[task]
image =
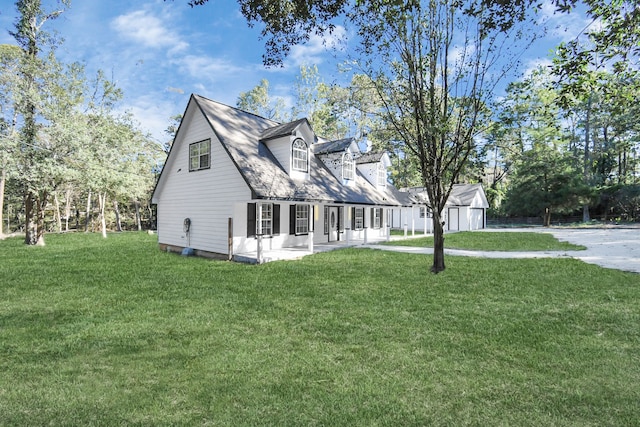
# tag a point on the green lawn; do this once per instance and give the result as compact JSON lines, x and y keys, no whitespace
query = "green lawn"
{"x":493,"y":241}
{"x":115,"y":332}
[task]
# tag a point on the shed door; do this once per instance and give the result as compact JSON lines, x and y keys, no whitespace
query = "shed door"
{"x":454,"y":219}
{"x":476,"y":222}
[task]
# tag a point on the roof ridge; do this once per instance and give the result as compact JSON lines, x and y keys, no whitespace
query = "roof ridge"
{"x":236,"y":108}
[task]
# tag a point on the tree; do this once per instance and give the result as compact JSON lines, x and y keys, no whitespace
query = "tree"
{"x":432,"y":67}
{"x":10,"y":57}
{"x":546,"y":181}
{"x":32,"y":39}
{"x":260,"y":102}
{"x":431,"y":63}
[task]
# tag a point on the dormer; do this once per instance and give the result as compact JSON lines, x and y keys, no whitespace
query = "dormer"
{"x":291,"y":144}
{"x":339,"y":157}
{"x":373,"y":166}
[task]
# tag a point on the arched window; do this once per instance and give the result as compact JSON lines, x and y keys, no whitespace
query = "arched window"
{"x":300,"y":155}
{"x":347,"y":166}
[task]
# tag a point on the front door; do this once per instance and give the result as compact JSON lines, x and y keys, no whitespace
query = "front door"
{"x":334,"y":226}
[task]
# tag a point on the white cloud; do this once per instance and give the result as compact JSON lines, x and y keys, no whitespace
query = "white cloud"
{"x":566,"y":26}
{"x":317,"y":47}
{"x":207,"y":67}
{"x":535,"y":63}
{"x":148,"y":30}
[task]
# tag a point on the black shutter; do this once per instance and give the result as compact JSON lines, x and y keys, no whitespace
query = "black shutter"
{"x":251,"y":219}
{"x":276,"y":219}
{"x":292,"y":220}
{"x":372,"y":223}
{"x":341,"y":218}
{"x":353,"y":218}
{"x":326,"y":220}
{"x":312,"y":221}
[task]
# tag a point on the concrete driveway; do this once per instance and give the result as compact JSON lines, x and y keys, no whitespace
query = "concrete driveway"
{"x":617,"y":248}
{"x":614,"y":247}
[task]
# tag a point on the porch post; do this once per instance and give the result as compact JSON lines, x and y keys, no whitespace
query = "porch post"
{"x":425,"y":220}
{"x":310,"y":241}
{"x":413,"y":221}
{"x":388,"y":224}
{"x":259,"y":234}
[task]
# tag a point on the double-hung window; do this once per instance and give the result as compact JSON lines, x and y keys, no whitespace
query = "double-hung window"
{"x":347,"y":166}
{"x":358,"y":218}
{"x":266,"y":220}
{"x":376,"y":217}
{"x":299,"y":216}
{"x":300,"y":155}
{"x":302,"y":219}
{"x":200,"y":155}
{"x":263,"y":218}
{"x":382,"y":175}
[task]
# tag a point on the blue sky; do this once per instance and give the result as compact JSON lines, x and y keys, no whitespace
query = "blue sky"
{"x":160,"y":52}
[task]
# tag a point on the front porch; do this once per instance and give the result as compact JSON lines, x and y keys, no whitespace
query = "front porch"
{"x":292,"y":253}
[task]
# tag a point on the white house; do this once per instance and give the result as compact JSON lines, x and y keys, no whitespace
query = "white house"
{"x":234,"y":181}
{"x":237,"y":186}
{"x":466,"y":209}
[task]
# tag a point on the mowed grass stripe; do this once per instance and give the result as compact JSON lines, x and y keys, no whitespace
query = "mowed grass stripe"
{"x":104,"y":332}
{"x":493,"y":241}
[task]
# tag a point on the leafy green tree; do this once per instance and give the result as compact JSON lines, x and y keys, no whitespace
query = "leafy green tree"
{"x":431,"y":63}
{"x":259,"y":101}
{"x":434,"y":99}
{"x":10,"y":57}
{"x":547,"y":181}
{"x":32,"y":39}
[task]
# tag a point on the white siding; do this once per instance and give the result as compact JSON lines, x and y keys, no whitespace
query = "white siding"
{"x":476,"y":220}
{"x":205,"y":196}
{"x":281,"y":149}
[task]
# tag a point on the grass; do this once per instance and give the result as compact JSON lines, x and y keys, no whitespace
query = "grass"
{"x":494,"y":241}
{"x":115,"y":332}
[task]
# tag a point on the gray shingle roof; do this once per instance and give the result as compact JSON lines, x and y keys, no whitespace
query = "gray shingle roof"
{"x":281,"y":130}
{"x":240,"y":134}
{"x":332,"y":146}
{"x":369,"y":157}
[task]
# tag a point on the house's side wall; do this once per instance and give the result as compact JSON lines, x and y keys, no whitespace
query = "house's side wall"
{"x":281,"y":149}
{"x":206,"y":196}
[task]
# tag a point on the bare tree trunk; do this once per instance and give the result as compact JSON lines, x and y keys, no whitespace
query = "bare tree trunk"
{"x":67,"y":208}
{"x":30,"y":230}
{"x":3,"y":178}
{"x":587,"y":134}
{"x":138,"y":220}
{"x":57,"y":213}
{"x":547,"y":217}
{"x":438,"y":243}
{"x":40,"y":218}
{"x":116,"y":209}
{"x":88,"y":214}
{"x":102,"y":200}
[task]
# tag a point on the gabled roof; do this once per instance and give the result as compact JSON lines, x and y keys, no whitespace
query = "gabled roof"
{"x":461,"y":195}
{"x":241,"y":133}
{"x":283,"y":129}
{"x":468,"y":195}
{"x":328,"y":147}
{"x":369,"y":157}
